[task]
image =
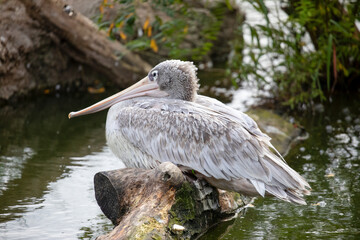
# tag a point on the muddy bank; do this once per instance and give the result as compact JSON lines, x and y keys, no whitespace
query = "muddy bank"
{"x":47,"y":47}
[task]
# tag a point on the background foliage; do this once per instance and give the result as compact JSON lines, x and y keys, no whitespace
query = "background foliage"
{"x":298,"y":74}
{"x":169,"y":27}
{"x":302,"y":75}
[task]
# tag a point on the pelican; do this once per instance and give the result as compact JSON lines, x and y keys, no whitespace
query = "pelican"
{"x":162,"y":118}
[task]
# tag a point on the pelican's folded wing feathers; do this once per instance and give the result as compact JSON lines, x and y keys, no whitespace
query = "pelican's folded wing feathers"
{"x":213,"y":144}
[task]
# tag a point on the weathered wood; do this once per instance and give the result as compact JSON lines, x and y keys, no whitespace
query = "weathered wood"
{"x":118,"y":191}
{"x":158,"y":203}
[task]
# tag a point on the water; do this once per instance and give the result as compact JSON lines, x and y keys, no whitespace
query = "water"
{"x":47,"y":164}
{"x":330,"y":161}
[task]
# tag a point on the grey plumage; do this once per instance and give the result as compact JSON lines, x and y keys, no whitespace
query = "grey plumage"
{"x":198,"y":137}
{"x":161,"y":118}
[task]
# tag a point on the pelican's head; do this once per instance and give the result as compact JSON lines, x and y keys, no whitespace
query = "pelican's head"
{"x":172,"y":78}
{"x":177,"y":78}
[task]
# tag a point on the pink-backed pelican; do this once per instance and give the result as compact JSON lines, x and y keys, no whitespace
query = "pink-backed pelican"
{"x":162,"y":118}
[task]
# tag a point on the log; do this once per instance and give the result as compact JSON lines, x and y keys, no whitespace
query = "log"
{"x":57,"y":46}
{"x":85,"y":43}
{"x":161,"y":203}
{"x":118,"y":191}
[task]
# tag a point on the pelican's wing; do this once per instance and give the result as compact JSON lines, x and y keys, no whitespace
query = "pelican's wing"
{"x":194,"y":136}
{"x":247,"y":122}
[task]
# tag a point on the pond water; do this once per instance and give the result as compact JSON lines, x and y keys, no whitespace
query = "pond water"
{"x":330,"y":160}
{"x":47,"y":164}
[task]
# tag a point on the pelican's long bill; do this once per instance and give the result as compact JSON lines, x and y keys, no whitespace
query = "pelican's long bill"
{"x":144,"y":87}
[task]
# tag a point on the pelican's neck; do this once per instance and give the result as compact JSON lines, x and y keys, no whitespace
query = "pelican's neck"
{"x":186,"y":89}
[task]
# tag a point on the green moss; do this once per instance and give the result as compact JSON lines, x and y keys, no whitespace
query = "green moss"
{"x":237,"y":198}
{"x":184,"y":208}
{"x":156,"y":237}
{"x":150,"y":229}
{"x":182,"y":212}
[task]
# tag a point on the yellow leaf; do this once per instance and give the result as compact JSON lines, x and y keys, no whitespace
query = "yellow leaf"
{"x":186,"y":29}
{"x":123,"y":36}
{"x":110,"y":28}
{"x":146,"y":24}
{"x":93,"y":90}
{"x":101,"y":9}
{"x":129,"y":15}
{"x":342,"y":68}
{"x":149,"y":32}
{"x":153,"y":45}
{"x":121,"y":24}
{"x":105,"y":1}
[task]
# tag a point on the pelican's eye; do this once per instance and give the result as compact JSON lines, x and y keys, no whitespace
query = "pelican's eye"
{"x":153,"y":75}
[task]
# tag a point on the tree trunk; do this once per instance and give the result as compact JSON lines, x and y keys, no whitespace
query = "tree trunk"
{"x":161,"y":204}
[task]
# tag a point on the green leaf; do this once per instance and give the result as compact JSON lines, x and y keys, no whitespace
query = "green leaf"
{"x":328,"y":60}
{"x":265,"y":11}
{"x":138,"y":44}
{"x":339,"y":27}
{"x":228,"y":5}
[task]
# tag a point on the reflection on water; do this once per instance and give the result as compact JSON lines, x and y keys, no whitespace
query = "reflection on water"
{"x":47,"y":164}
{"x":329,"y":160}
{"x":67,"y":209}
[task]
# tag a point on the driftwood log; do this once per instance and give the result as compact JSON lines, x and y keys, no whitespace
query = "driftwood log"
{"x":41,"y":38}
{"x":161,"y":203}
